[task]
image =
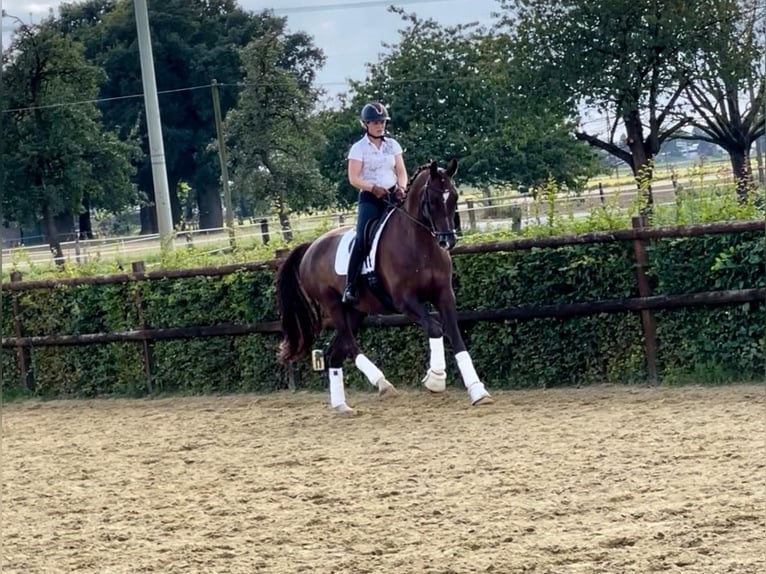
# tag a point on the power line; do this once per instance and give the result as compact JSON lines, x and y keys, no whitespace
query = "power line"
{"x":99,"y":100}
{"x":351,"y":5}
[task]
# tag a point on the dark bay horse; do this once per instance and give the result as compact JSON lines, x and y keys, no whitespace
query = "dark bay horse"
{"x":414,"y":267}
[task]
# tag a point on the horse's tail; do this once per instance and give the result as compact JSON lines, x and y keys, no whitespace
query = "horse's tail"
{"x":301,"y":319}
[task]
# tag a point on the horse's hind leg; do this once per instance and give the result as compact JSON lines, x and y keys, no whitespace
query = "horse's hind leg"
{"x":335,"y":359}
{"x":344,"y":346}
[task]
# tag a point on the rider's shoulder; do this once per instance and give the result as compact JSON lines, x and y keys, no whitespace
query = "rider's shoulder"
{"x":393,"y":145}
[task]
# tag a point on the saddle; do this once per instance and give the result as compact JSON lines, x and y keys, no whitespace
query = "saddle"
{"x":368,"y":274}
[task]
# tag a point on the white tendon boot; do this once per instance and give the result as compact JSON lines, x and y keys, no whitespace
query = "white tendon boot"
{"x":476,"y":390}
{"x":436,"y":377}
{"x":374,"y":376}
{"x":338,"y":393}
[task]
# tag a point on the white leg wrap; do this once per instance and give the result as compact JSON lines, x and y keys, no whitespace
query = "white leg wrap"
{"x":373,"y":373}
{"x":337,"y":391}
{"x":476,"y":389}
{"x":465,"y":364}
{"x":477,"y":392}
{"x":437,"y":363}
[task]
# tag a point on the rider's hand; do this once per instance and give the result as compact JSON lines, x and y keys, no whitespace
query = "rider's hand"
{"x":399,"y":193}
{"x":378,"y":191}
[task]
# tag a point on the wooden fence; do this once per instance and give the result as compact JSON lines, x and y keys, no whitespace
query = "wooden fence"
{"x":639,"y":235}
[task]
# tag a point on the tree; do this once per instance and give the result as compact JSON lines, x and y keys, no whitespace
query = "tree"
{"x":274,"y":136}
{"x":60,"y":156}
{"x":449,"y":97}
{"x":628,"y":58}
{"x":194,"y":42}
{"x":726,"y":90}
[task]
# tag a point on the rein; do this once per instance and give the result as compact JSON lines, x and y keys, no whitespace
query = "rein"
{"x":423,"y":208}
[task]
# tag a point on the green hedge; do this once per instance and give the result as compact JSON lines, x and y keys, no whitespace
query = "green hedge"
{"x":701,"y":344}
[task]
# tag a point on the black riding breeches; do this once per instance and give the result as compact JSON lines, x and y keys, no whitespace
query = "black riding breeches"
{"x":369,"y":210}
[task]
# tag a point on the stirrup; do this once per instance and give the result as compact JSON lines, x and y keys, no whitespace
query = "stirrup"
{"x":350,"y":296}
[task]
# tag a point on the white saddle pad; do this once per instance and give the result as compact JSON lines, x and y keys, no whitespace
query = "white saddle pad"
{"x":343,"y":253}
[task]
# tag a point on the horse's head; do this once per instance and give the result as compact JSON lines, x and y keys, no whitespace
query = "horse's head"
{"x":432,"y":199}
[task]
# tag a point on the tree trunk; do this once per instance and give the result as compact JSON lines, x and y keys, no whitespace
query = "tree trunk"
{"x":175,"y":203}
{"x":740,"y":165}
{"x":284,"y":223}
{"x":85,"y":224}
{"x":641,"y":156}
{"x":210,"y":210}
{"x":52,"y":232}
{"x":149,"y":219}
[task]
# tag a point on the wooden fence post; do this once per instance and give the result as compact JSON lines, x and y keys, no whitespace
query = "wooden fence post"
{"x":265,"y":231}
{"x":471,"y":215}
{"x":138,"y":270}
{"x":516,"y":214}
{"x":23,"y":353}
{"x":647,"y":319}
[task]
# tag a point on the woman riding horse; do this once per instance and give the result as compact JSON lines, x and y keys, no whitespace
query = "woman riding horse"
{"x":413,"y":266}
{"x":375,"y":166}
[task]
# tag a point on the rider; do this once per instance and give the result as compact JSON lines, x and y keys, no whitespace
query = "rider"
{"x":375,"y":167}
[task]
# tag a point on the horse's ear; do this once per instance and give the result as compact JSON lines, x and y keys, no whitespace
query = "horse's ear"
{"x":452,"y":167}
{"x":434,"y":169}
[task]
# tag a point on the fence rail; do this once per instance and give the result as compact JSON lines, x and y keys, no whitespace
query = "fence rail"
{"x":645,"y":304}
{"x":565,"y":310}
{"x":479,"y":214}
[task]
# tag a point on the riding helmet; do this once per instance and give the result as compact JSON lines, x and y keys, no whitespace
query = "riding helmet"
{"x":374,"y":112}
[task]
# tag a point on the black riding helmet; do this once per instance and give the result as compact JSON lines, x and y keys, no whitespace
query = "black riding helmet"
{"x":374,"y":112}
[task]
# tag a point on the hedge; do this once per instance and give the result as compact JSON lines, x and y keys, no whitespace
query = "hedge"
{"x":720,"y":344}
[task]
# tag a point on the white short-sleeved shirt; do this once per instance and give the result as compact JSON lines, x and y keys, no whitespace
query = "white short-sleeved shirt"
{"x":377,"y":163}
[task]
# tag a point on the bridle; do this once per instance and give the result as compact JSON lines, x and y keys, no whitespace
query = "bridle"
{"x":425,"y":210}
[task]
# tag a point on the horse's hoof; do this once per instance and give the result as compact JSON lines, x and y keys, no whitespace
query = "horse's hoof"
{"x":479,"y":395}
{"x":485,"y":400}
{"x":435,"y":381}
{"x":344,"y":409}
{"x":386,"y":389}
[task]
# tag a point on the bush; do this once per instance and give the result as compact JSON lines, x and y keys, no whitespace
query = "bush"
{"x":714,"y":345}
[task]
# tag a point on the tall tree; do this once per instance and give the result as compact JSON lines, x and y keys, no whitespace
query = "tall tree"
{"x":726,"y":88}
{"x":625,"y":58}
{"x":274,"y":134}
{"x":59,"y":156}
{"x":194,"y":42}
{"x":449,"y":97}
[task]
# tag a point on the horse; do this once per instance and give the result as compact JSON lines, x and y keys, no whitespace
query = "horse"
{"x":412,"y":265}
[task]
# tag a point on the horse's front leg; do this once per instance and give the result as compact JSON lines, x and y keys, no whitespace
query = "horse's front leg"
{"x":447,"y":308}
{"x":436,"y":376}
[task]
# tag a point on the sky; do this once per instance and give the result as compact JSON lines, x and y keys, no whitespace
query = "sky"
{"x":350,"y":32}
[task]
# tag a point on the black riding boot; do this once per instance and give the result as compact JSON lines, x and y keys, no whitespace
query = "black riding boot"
{"x":351,"y":292}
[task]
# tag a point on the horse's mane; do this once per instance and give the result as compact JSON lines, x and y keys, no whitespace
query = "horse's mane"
{"x":416,"y":174}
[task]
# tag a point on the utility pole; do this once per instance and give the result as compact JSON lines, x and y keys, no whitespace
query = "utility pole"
{"x":222,"y":159}
{"x":154,"y":127}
